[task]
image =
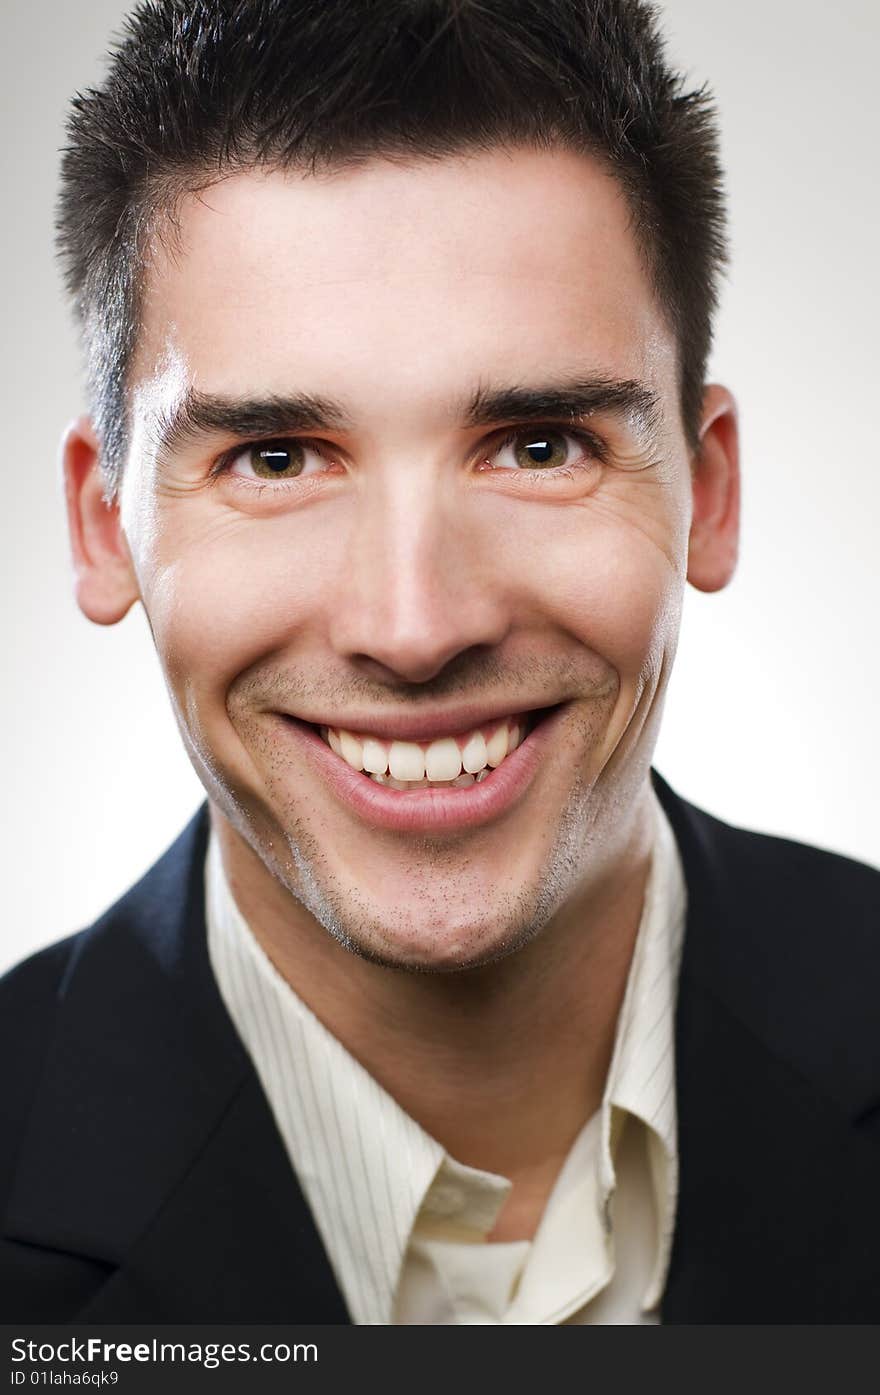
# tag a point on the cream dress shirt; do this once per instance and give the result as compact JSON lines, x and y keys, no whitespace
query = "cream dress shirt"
{"x":403,"y":1223}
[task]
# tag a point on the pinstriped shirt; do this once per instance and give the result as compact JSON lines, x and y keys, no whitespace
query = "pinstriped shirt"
{"x":404,"y":1224}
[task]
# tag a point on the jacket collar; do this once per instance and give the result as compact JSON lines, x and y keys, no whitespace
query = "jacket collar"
{"x":777,"y":1069}
{"x":779,"y":936}
{"x":150,"y":1146}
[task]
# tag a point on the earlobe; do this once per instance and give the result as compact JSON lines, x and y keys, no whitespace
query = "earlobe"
{"x":715,"y":482}
{"x":105,"y":584}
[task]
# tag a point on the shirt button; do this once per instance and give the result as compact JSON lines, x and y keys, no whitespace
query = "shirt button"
{"x":444,"y":1200}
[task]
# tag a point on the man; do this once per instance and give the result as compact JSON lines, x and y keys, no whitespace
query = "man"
{"x":445,"y":1009}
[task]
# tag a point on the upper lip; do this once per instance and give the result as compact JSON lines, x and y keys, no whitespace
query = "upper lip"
{"x":422,"y":726}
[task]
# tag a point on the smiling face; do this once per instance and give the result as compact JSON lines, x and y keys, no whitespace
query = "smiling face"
{"x":408,"y":490}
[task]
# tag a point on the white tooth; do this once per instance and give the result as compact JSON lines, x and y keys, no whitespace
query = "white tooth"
{"x":333,"y":741}
{"x":375,"y":757}
{"x":473,"y":757}
{"x":483,"y":775}
{"x":496,"y":746}
{"x":405,"y":761}
{"x":515,"y":735}
{"x":380,"y":778}
{"x":464,"y":779}
{"x":443,"y":760}
{"x":351,"y":751}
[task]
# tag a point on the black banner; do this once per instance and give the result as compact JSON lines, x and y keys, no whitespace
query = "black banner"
{"x":141,"y":1360}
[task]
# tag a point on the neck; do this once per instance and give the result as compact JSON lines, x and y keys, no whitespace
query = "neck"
{"x":502,"y":1064}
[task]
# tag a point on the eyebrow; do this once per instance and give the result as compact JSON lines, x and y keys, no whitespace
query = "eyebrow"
{"x":578,"y":398}
{"x":199,"y":415}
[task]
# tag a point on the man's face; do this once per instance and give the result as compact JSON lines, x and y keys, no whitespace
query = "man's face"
{"x":426,"y":473}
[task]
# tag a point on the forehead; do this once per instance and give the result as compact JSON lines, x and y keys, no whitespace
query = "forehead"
{"x":405,"y":282}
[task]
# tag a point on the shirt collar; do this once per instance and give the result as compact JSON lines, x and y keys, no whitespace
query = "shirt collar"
{"x":363,"y":1164}
{"x":641,"y":1077}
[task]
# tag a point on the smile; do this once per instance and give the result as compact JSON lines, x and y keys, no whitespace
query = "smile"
{"x":455,"y":781}
{"x":450,"y":762}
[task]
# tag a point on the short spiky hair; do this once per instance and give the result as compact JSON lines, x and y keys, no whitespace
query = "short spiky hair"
{"x":198,"y":89}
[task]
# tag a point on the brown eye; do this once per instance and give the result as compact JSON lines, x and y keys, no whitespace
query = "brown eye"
{"x":276,"y":459}
{"x":538,"y":450}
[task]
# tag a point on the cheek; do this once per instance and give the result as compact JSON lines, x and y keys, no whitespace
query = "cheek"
{"x":626,"y":603}
{"x":222,"y":596}
{"x":610,"y":580}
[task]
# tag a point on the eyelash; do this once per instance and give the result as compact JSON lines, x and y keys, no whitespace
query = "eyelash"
{"x":595,"y":451}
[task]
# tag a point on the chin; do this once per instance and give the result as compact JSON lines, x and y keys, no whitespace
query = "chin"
{"x":430,"y":933}
{"x":421,"y":950}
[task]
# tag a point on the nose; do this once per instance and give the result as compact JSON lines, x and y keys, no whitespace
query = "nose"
{"x":421,"y":586}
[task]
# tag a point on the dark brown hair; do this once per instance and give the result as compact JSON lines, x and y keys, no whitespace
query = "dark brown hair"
{"x":197,"y":89}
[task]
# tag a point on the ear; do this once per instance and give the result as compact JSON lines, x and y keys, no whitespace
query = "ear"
{"x":714,"y":536}
{"x":105,"y":584}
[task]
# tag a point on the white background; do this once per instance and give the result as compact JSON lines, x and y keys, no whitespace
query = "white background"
{"x":772,"y":712}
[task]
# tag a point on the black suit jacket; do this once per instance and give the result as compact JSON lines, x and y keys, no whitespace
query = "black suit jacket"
{"x":142,"y":1178}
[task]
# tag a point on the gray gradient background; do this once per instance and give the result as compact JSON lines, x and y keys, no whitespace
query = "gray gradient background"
{"x":772,"y":712}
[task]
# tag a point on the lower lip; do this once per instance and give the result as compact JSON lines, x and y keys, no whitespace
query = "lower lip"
{"x":429,"y":810}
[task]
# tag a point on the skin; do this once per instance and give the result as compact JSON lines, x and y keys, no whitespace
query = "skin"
{"x":416,"y":566}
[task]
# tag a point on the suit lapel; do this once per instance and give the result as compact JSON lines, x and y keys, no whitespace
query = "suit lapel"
{"x":151,"y":1147}
{"x":233,"y":1242}
{"x":777,"y":1062}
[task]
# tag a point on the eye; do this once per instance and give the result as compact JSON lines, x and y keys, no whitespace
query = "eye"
{"x":541,"y":449}
{"x":276,"y":460}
